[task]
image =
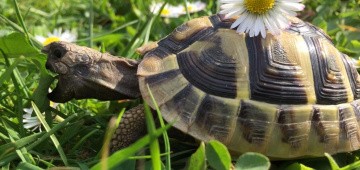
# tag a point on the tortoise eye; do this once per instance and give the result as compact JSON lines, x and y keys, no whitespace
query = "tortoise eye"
{"x":57,"y":53}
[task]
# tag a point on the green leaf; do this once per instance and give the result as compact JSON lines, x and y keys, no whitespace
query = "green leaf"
{"x":217,"y":155}
{"x":9,"y":70}
{"x":16,"y":45}
{"x":297,"y":166}
{"x":252,"y":161}
{"x":320,"y":22}
{"x":40,"y":94}
{"x":197,"y":160}
{"x":355,"y":44}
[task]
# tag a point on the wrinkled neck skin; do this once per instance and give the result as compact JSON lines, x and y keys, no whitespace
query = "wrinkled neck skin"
{"x":87,"y":73}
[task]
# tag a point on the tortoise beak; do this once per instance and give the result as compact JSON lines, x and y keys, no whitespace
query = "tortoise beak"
{"x":62,"y":92}
{"x":46,"y":50}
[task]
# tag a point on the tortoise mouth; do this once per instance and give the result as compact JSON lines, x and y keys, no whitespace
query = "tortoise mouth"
{"x":59,"y":93}
{"x":63,"y":88}
{"x":62,"y":91}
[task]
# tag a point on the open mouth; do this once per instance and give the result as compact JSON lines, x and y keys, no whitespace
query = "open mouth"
{"x":62,"y":92}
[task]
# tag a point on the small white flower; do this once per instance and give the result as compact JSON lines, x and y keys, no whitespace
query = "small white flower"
{"x":168,"y":11}
{"x":31,"y":122}
{"x":257,"y":16}
{"x":57,"y":35}
{"x":194,"y":7}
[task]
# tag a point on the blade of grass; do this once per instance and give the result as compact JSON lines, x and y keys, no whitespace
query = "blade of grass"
{"x":9,"y":147}
{"x":118,"y":120}
{"x":13,"y":156}
{"x":186,"y":9}
{"x":146,"y":156}
{"x":140,"y":32}
{"x":110,"y":32}
{"x":21,"y":83}
{"x":91,"y":23}
{"x":82,"y":140}
{"x":6,"y":75}
{"x":52,"y":131}
{"x":21,"y":20}
{"x":11,"y":136}
{"x":333,"y":164}
{"x":148,"y":30}
{"x":28,"y":166}
{"x":135,"y":39}
{"x":106,"y":144}
{"x":162,"y":124}
{"x":53,"y":137}
{"x":112,"y":126}
{"x":154,"y":145}
{"x":18,"y":100}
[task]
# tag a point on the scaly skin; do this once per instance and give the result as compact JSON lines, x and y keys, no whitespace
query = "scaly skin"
{"x":131,"y":128}
{"x":87,"y":73}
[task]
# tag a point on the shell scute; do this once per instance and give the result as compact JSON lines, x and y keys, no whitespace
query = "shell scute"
{"x":188,"y":29}
{"x":349,"y":128}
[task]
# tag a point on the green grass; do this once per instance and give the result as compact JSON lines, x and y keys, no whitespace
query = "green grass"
{"x":118,"y":27}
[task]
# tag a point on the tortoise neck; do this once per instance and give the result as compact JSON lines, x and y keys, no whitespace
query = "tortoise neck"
{"x":117,"y":76}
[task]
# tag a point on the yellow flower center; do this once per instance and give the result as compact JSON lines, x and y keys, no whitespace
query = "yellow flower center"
{"x":50,"y":40}
{"x":259,"y":6}
{"x":165,"y":12}
{"x":190,"y":8}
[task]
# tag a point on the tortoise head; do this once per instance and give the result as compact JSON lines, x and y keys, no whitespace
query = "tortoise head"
{"x":87,"y":73}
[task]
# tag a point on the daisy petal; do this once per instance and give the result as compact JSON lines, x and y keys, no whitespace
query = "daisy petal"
{"x":260,"y":17}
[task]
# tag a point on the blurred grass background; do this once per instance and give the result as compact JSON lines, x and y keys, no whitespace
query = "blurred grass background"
{"x":118,"y":27}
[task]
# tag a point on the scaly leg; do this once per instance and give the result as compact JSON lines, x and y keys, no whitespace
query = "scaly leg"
{"x":131,"y":128}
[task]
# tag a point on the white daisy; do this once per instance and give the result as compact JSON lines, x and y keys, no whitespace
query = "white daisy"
{"x":194,"y":7}
{"x":168,"y":11}
{"x":57,"y":35}
{"x":31,"y":122}
{"x":257,"y":16}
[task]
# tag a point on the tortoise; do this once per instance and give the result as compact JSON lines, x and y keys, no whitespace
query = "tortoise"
{"x":286,"y":96}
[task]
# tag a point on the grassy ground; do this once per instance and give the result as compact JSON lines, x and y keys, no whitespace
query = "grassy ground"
{"x":75,"y":137}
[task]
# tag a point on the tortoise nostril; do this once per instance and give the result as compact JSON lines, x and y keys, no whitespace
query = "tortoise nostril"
{"x":57,"y":53}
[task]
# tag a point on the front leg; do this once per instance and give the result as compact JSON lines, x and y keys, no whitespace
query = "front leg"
{"x":131,"y":128}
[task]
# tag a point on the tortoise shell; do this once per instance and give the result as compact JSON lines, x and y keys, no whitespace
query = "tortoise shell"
{"x":286,"y":96}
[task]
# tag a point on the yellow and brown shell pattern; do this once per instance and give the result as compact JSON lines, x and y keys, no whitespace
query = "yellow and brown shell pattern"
{"x":286,"y":96}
